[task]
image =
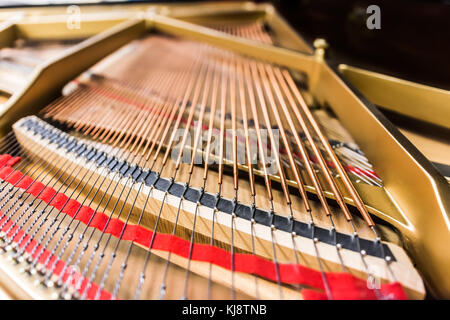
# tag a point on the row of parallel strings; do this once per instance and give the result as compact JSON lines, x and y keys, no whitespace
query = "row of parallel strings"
{"x":135,"y":109}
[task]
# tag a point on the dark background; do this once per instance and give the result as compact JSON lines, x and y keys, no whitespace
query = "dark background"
{"x":413,"y":42}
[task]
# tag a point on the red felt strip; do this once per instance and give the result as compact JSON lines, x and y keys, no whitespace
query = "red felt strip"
{"x":348,"y":287}
{"x":4,"y":158}
{"x":342,"y":285}
{"x":60,"y":265}
{"x":12,"y":161}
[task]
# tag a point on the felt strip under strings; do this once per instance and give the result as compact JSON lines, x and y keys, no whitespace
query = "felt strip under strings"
{"x":342,"y":285}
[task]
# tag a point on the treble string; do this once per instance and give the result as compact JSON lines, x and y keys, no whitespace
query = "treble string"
{"x":60,"y":169}
{"x":197,"y":138}
{"x":74,"y":171}
{"x":66,"y":230}
{"x":184,"y":102}
{"x":134,"y":156}
{"x":195,"y":97}
{"x":67,"y":281}
{"x":22,"y":248}
{"x":8,"y":240}
{"x":21,"y":166}
{"x":124,"y":264}
{"x":223,"y":95}
{"x":38,"y":251}
{"x":88,"y":265}
{"x":12,"y":192}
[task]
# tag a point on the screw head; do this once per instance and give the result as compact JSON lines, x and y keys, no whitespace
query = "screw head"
{"x":320,"y":43}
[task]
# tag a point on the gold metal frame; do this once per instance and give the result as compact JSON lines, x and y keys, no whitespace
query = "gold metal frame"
{"x":405,"y":97}
{"x":416,"y":197}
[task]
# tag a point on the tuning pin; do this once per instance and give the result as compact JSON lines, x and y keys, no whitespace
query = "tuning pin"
{"x":66,"y":296}
{"x":18,"y":259}
{"x":76,"y":296}
{"x":58,"y":283}
{"x":41,"y":270}
{"x":29,"y":259}
{"x":48,"y":283}
{"x":30,"y":271}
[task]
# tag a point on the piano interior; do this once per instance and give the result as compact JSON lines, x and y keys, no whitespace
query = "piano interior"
{"x":207,"y":151}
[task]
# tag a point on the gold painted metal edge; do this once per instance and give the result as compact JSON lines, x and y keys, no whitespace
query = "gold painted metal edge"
{"x":193,"y":12}
{"x":421,"y":194}
{"x":176,"y":9}
{"x":209,"y":9}
{"x":251,"y":48}
{"x":8,"y":33}
{"x":56,"y":27}
{"x":405,"y":97}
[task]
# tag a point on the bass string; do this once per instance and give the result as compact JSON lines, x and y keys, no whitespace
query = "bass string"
{"x":349,"y":186}
{"x":262,"y":104}
{"x":223,"y":97}
{"x":285,"y":142}
{"x":340,"y":201}
{"x":257,"y":82}
{"x":269,"y":86}
{"x":132,"y":116}
{"x":138,"y":125}
{"x":234,"y":152}
{"x":205,"y":95}
{"x":243,"y":103}
{"x":81,"y":123}
{"x":233,"y":139}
